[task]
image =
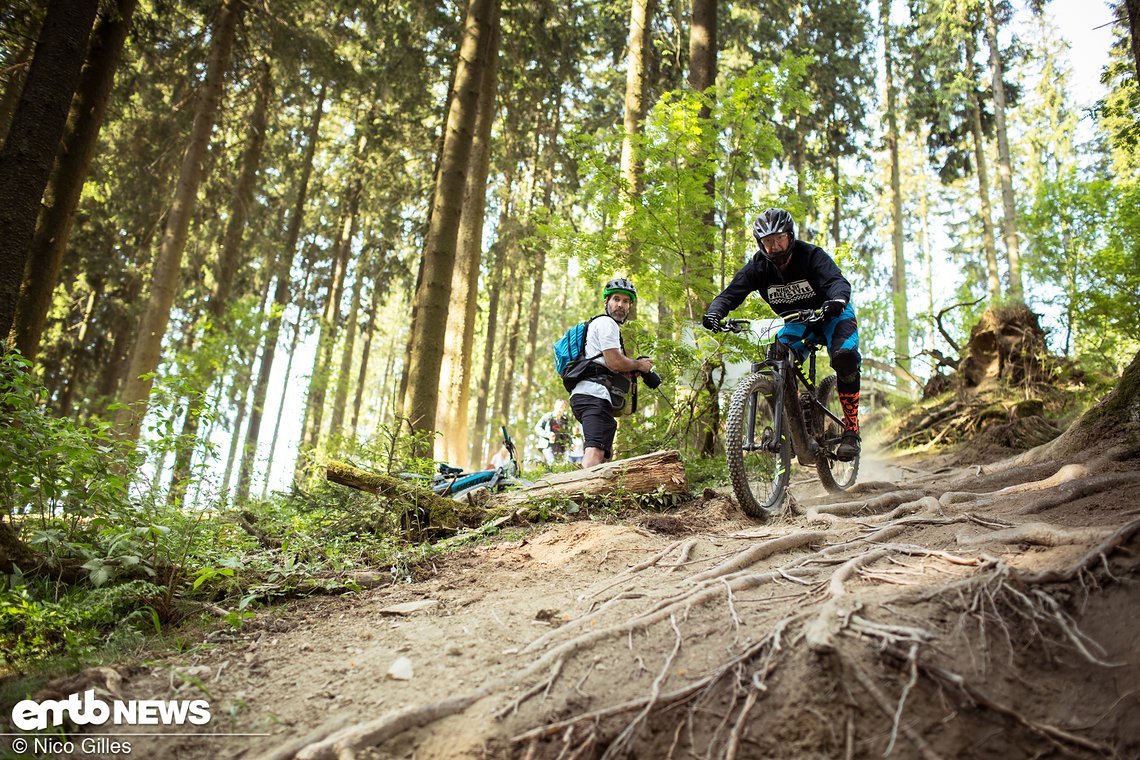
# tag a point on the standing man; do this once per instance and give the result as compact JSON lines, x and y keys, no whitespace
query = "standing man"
{"x":791,"y":275}
{"x":553,"y":432}
{"x":590,"y":398}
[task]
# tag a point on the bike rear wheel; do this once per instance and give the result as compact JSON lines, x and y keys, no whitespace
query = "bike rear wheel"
{"x":836,"y":476}
{"x":759,"y":475}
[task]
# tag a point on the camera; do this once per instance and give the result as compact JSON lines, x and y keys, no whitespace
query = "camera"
{"x":651,"y":379}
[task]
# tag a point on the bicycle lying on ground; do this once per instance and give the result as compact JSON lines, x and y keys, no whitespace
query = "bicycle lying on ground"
{"x":776,"y":401}
{"x":458,"y":484}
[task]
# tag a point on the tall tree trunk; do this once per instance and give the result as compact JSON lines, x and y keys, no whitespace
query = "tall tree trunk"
{"x":240,"y":390}
{"x":1005,"y":162}
{"x":455,"y":372}
{"x":340,"y":395}
{"x":292,"y":352}
{"x":898,"y":271}
{"x":17,"y":75}
{"x":164,"y":279}
{"x":482,"y":397}
{"x":284,"y":266}
{"x":330,"y":324}
{"x":1133,"y":9}
{"x":640,"y":22}
{"x":702,"y":76}
{"x":53,"y":227}
{"x":993,"y":282}
{"x":30,"y":146}
{"x":506,"y":384}
{"x":228,"y":262}
{"x":365,"y":351}
{"x":433,"y":296}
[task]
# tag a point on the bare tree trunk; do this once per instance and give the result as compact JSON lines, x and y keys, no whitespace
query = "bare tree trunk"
{"x":284,"y":266}
{"x":509,"y":357}
{"x":17,"y":73}
{"x":53,"y":227}
{"x":330,"y":324}
{"x":481,"y":400}
{"x":455,"y":372}
{"x":280,"y":406}
{"x":30,"y":146}
{"x":1133,"y":9}
{"x":340,"y":396}
{"x":640,"y":22}
{"x":1005,"y":162}
{"x":228,"y":261}
{"x":898,"y":271}
{"x":993,"y":282}
{"x":164,"y":279}
{"x":433,"y":296}
{"x":366,"y":349}
{"x":240,"y":390}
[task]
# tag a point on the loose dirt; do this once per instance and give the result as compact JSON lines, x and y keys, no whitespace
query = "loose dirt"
{"x":931,"y":623}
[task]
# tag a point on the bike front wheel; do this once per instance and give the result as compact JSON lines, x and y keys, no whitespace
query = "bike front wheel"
{"x":758,"y":466}
{"x":836,"y":476}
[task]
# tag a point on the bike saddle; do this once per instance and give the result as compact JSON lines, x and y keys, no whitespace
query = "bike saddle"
{"x":446,"y":469}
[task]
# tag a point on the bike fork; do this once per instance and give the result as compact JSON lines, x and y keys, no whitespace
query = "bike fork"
{"x":778,"y":418}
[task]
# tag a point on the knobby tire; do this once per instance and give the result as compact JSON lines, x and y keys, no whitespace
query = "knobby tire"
{"x":777,"y":464}
{"x":836,"y":476}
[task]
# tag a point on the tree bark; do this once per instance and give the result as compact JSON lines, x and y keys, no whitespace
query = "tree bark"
{"x":898,"y":271}
{"x":340,"y":396}
{"x":455,"y":372}
{"x":30,"y":146}
{"x":164,"y":279}
{"x":53,"y":226}
{"x":330,"y":323}
{"x":506,"y":385}
{"x":365,"y":351}
{"x":280,"y":301}
{"x":993,"y":282}
{"x":640,"y":21}
{"x":17,"y":74}
{"x":1133,"y":8}
{"x":433,"y":296}
{"x":481,"y":401}
{"x":643,"y":474}
{"x":1005,"y":162}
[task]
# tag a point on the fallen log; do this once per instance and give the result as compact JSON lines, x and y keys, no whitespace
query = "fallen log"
{"x":442,"y":512}
{"x":661,"y":470}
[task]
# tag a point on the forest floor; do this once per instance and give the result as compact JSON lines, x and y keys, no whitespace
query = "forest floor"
{"x":941,"y":609}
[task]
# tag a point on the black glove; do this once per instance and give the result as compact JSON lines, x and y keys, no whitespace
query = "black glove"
{"x":831,"y":309}
{"x":712,"y":321}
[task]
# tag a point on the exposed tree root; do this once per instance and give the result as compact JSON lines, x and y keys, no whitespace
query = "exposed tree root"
{"x":1037,"y":534}
{"x":870,"y":506}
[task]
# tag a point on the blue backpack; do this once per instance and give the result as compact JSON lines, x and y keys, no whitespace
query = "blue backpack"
{"x":569,"y":361}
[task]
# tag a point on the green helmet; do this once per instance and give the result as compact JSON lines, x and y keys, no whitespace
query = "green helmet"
{"x":620,"y":285}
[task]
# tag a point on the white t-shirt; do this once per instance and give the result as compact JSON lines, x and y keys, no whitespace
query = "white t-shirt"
{"x":602,"y":334}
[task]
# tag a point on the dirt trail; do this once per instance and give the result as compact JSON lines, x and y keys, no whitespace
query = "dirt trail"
{"x":912,"y":617}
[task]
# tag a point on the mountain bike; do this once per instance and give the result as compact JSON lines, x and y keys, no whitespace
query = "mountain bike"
{"x":456,"y":483}
{"x":779,"y":410}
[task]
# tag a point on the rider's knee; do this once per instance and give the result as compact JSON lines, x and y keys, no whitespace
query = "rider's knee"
{"x":846,"y":365}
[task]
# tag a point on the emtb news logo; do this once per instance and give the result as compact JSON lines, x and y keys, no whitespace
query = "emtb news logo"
{"x":89,"y":710}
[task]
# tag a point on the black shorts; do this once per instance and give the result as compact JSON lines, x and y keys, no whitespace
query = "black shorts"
{"x":598,"y":422}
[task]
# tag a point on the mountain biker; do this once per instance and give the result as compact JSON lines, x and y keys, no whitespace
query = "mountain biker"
{"x":792,"y":275}
{"x":590,"y":399}
{"x":553,"y":431}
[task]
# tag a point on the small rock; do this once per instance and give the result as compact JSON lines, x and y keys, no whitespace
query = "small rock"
{"x":401,"y":670}
{"x":454,"y":651}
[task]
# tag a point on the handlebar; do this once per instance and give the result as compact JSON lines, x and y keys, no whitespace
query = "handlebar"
{"x":807,"y":316}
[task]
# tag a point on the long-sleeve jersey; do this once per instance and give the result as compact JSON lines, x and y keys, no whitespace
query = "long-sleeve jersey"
{"x":811,"y":278}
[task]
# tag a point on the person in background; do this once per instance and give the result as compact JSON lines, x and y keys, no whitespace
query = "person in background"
{"x":553,"y":431}
{"x":590,"y":399}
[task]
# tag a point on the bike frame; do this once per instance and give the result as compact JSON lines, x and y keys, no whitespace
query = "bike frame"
{"x":787,"y":373}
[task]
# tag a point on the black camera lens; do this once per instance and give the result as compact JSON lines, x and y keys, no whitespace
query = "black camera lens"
{"x":651,"y":379}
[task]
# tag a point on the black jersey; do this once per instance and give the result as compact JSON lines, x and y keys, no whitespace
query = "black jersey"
{"x":811,"y":278}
